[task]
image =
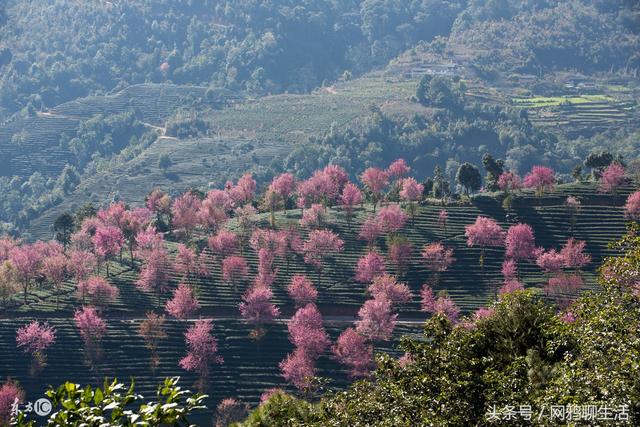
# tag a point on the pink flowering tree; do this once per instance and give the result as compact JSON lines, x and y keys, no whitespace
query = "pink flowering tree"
{"x":437,"y":258}
{"x":541,"y":178}
{"x":320,"y":245}
{"x":399,"y":254}
{"x":350,"y":198}
{"x":92,"y":328}
{"x":246,"y":220}
{"x":257,"y":309}
{"x":520,"y":243}
{"x":34,"y":339}
{"x":564,"y":288}
{"x":369,"y":267}
{"x":183,"y":304}
{"x":159,"y":203}
{"x":132,"y":223}
{"x":184,"y":213}
{"x":574,"y":255}
{"x":509,"y":269}
{"x":302,"y":291}
{"x":224,"y":244}
{"x":306,"y":331}
{"x":298,"y":368}
{"x":353,"y":351}
{"x":10,"y":392}
{"x":202,"y":350}
{"x":391,"y":219}
{"x":147,"y":241}
{"x":278,"y":193}
{"x":244,"y":190}
{"x":98,"y":291}
{"x":387,"y":287}
{"x":376,"y":320}
{"x":314,"y":217}
{"x":550,"y":262}
{"x":234,"y":270}
{"x":573,"y":206}
{"x":411,"y":192}
{"x":398,"y":169}
{"x":54,"y":270}
{"x":632,"y":207}
{"x":154,"y":276}
{"x":214,"y":209}
{"x":26,"y":260}
{"x":375,"y":180}
{"x":510,"y":286}
{"x":612,"y":178}
{"x":509,"y":182}
{"x":440,"y":305}
{"x":81,"y":264}
{"x":108,"y":242}
{"x":485,"y":232}
{"x":186,"y":262}
{"x":370,"y":231}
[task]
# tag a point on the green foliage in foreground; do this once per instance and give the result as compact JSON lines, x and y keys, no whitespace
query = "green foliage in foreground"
{"x":113,"y":405}
{"x":525,"y":353}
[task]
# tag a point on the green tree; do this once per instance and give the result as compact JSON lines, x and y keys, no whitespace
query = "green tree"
{"x":63,"y":227}
{"x":494,"y":168}
{"x":469,"y":178}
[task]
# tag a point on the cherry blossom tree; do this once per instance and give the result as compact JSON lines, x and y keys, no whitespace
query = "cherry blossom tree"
{"x":92,"y":328}
{"x":293,"y":243}
{"x":369,"y":267}
{"x":520,"y":243}
{"x":183,"y":304}
{"x":266,"y":273}
{"x":154,"y":276}
{"x":612,"y":178}
{"x":274,"y":242}
{"x":108,"y":242}
{"x":81,"y":264}
{"x":509,"y":182}
{"x":186,"y":262}
{"x":26,"y":260}
{"x":352,"y":350}
{"x":564,"y":288}
{"x":159,"y":203}
{"x":152,"y":330}
{"x":509,"y":269}
{"x":113,"y":214}
{"x":132,"y":223}
{"x":244,"y":190}
{"x":214,"y":209}
{"x":306,"y":331}
{"x":314,"y":217}
{"x":375,"y":180}
{"x":370,"y":231}
{"x":387,"y":287}
{"x":302,"y":291}
{"x":541,"y":178}
{"x":184,"y":213}
{"x":299,"y":369}
{"x":202,"y":350}
{"x":257,"y":309}
{"x":8,"y":282}
{"x":10,"y":393}
{"x":351,"y":196}
{"x":34,"y":339}
{"x":54,"y":270}
{"x":7,"y":243}
{"x":441,"y":304}
{"x":574,"y":255}
{"x":230,"y":411}
{"x":320,"y":245}
{"x":573,"y":206}
{"x":234,"y":269}
{"x":283,"y":186}
{"x":391,"y":219}
{"x":510,"y":286}
{"x":411,"y":192}
{"x":224,"y":244}
{"x":246,"y":220}
{"x":632,"y":207}
{"x":398,"y":169}
{"x":98,"y":290}
{"x":147,"y":241}
{"x":437,"y":258}
{"x":485,"y":232}
{"x":550,"y":261}
{"x":399,"y":254}
{"x":205,"y":263}
{"x":376,"y":320}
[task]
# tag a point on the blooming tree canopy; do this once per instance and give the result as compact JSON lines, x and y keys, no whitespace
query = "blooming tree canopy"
{"x":352,"y":350}
{"x":369,"y":267}
{"x":183,"y":304}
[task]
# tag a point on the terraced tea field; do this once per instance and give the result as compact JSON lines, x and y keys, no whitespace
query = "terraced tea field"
{"x":248,"y":370}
